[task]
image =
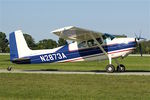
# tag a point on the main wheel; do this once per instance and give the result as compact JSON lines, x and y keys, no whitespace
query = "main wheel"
{"x":121,"y":68}
{"x":110,"y":68}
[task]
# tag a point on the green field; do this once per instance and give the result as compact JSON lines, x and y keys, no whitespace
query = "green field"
{"x":131,"y":63}
{"x":75,"y":87}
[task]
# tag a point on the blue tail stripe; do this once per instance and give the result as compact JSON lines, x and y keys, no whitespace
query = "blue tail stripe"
{"x":13,"y":46}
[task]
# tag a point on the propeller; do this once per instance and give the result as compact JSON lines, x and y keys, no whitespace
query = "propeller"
{"x":139,"y":39}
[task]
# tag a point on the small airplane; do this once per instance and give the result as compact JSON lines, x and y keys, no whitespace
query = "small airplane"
{"x":88,"y":45}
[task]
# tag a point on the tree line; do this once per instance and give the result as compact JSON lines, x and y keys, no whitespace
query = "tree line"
{"x":42,"y":44}
{"x":50,"y":43}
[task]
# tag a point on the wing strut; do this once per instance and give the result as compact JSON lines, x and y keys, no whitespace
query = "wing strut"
{"x":99,"y":45}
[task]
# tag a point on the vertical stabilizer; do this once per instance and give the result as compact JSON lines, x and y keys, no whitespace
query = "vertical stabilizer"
{"x":18,"y":45}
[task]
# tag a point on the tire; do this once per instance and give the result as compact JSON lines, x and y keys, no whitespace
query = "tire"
{"x":9,"y":68}
{"x":121,"y":68}
{"x":110,"y":68}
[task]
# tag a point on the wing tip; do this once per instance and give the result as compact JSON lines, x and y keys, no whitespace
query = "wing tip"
{"x":62,"y":29}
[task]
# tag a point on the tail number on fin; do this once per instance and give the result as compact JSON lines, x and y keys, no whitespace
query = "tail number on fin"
{"x":52,"y":57}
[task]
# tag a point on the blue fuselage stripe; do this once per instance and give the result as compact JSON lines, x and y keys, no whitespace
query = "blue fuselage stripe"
{"x":77,"y":53}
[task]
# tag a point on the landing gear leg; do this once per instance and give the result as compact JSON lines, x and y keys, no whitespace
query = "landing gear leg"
{"x":120,"y":67}
{"x":110,"y":68}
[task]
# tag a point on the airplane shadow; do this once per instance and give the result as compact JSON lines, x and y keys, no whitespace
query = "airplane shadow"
{"x":137,"y":70}
{"x":97,"y":71}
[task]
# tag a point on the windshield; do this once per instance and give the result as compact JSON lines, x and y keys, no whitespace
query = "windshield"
{"x":106,"y":35}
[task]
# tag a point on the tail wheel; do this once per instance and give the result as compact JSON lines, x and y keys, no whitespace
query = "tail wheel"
{"x":121,"y":68}
{"x":9,"y":68}
{"x":110,"y":68}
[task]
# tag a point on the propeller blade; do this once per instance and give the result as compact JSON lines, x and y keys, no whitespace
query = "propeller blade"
{"x":140,"y":49}
{"x":138,"y":40}
{"x":135,"y":35}
{"x":142,"y":38}
{"x":140,"y":35}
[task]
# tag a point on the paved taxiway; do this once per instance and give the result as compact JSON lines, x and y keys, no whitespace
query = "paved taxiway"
{"x":75,"y":72}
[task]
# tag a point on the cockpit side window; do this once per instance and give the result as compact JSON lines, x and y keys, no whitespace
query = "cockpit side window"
{"x":92,"y":43}
{"x":89,"y":43}
{"x":99,"y":40}
{"x":82,"y":44}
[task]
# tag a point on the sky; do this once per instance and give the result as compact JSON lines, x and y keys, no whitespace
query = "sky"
{"x":39,"y":17}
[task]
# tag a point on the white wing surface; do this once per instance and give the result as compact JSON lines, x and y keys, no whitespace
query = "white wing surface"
{"x":76,"y":33}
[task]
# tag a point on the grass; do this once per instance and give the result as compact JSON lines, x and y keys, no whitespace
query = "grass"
{"x":131,"y":63}
{"x":75,"y":87}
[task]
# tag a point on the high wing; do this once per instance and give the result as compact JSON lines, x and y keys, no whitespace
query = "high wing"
{"x":79,"y":34}
{"x":76,"y":33}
